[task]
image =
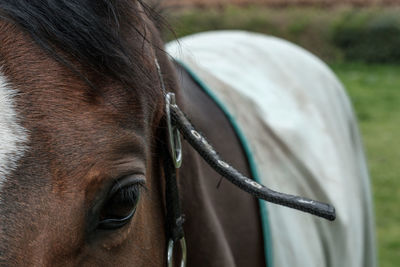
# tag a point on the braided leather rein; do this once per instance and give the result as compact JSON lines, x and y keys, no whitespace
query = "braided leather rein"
{"x":208,"y":153}
{"x":178,"y":124}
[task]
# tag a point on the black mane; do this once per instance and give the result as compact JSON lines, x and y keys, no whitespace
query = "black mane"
{"x":87,"y":30}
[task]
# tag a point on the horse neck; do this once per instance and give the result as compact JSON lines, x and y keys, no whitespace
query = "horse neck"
{"x":207,"y":203}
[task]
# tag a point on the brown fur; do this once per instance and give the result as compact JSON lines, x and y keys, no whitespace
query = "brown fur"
{"x":80,"y":142}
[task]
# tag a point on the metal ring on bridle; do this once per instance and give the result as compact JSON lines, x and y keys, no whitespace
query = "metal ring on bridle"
{"x":173,"y":132}
{"x":170,"y":255}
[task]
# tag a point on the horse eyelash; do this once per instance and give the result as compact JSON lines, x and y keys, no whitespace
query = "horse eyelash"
{"x":129,"y":194}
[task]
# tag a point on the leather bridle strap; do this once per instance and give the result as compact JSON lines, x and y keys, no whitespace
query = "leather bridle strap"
{"x":174,"y":218}
{"x":208,"y":153}
{"x":172,"y":161}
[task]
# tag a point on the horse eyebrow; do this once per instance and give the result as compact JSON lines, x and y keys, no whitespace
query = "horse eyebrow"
{"x":134,"y":144}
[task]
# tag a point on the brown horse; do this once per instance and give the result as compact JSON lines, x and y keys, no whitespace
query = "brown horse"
{"x":81,"y":139}
{"x":87,"y":121}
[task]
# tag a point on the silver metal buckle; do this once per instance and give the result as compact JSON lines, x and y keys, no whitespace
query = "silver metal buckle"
{"x":170,"y":255}
{"x":175,"y":144}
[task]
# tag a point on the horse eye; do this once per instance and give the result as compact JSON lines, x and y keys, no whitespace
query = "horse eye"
{"x":120,"y":207}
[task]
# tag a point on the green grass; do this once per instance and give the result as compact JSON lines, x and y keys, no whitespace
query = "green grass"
{"x":330,"y":33}
{"x":309,"y":26}
{"x":375,"y":92}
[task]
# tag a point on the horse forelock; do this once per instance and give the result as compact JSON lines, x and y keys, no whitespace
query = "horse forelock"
{"x":95,"y":34}
{"x":13,"y":137}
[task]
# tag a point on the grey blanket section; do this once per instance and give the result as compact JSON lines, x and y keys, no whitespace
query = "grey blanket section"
{"x":304,"y":138}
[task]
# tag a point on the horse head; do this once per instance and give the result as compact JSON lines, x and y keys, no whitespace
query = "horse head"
{"x":81,"y":106}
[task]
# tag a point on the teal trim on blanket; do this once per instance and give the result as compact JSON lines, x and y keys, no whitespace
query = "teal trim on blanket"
{"x":249,"y":155}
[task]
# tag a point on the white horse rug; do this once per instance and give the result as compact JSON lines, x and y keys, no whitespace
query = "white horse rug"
{"x":299,"y":125}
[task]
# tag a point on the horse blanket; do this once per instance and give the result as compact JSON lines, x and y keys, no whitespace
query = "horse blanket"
{"x":296,"y":122}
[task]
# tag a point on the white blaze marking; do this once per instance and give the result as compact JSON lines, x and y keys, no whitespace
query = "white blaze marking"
{"x":13,"y":136}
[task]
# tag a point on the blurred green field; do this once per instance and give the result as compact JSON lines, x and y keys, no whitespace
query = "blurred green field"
{"x":375,"y":92}
{"x":307,"y":26}
{"x":331,"y":33}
